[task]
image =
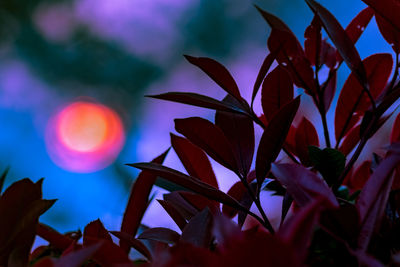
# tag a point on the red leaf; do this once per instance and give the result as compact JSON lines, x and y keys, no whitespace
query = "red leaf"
{"x":312,"y":43}
{"x":199,"y":202}
{"x":138,"y":201}
{"x":133,"y":242}
{"x":274,"y":137}
{"x":189,"y":182}
{"x":306,"y":135}
{"x":239,"y":130}
{"x":199,"y":101}
{"x":352,"y":99}
{"x":237,"y":191}
{"x":55,"y":239}
{"x":74,"y":259}
{"x":302,"y":184}
{"x":390,"y":33}
{"x":218,"y":73}
{"x":179,"y":203}
{"x":210,"y":138}
{"x":96,"y":229}
{"x":160,"y":234}
{"x":174,"y":213}
{"x":330,"y":89}
{"x":373,"y":198}
{"x":109,"y":253}
{"x":357,"y":26}
{"x":341,"y":40}
{"x":194,"y":160}
{"x":350,"y":140}
{"x":262,"y":73}
{"x":388,"y":9}
{"x":198,"y":231}
{"x":293,"y":58}
{"x":277,"y":91}
{"x":360,"y":176}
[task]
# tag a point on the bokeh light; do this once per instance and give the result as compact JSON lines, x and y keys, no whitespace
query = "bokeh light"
{"x":84,"y":137}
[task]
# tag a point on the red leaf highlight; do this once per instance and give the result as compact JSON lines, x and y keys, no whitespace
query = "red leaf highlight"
{"x":353,"y":102}
{"x":277,"y":90}
{"x":138,"y":201}
{"x":210,"y":138}
{"x":218,"y":73}
{"x":194,"y":160}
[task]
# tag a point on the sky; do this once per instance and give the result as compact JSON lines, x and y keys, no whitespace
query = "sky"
{"x":105,"y":56}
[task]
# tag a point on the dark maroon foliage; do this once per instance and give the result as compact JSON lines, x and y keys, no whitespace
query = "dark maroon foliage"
{"x":338,"y":209}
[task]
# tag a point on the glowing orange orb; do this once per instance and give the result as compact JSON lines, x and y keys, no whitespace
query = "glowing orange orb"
{"x":85,"y":137}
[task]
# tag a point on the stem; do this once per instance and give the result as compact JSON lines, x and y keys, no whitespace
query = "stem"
{"x":266,"y":223}
{"x":321,"y":106}
{"x":357,"y":153}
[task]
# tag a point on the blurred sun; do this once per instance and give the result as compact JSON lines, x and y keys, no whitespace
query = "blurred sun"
{"x":85,"y":137}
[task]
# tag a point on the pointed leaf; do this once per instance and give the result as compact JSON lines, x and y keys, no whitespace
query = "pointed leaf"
{"x":210,"y":138}
{"x":189,"y":182}
{"x":312,"y":43}
{"x":373,"y":198}
{"x":390,"y":33}
{"x":138,"y":201}
{"x":353,"y":102}
{"x":302,"y":184}
{"x":357,"y":26}
{"x":174,"y":213}
{"x":179,"y":203}
{"x":55,"y":239}
{"x":269,"y":59}
{"x":218,"y":73}
{"x":341,"y":40}
{"x":360,"y":176}
{"x":239,"y":130}
{"x":160,"y":234}
{"x":199,"y":101}
{"x":277,"y":91}
{"x":133,"y":242}
{"x":194,"y":160}
{"x":350,"y":140}
{"x":306,"y":136}
{"x":199,"y":202}
{"x":329,"y":91}
{"x":237,"y":191}
{"x":198,"y":231}
{"x":273,"y":138}
{"x":388,"y":9}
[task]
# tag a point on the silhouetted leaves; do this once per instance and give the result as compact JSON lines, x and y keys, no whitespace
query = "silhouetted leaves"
{"x":239,"y":130}
{"x":218,"y":73}
{"x":138,"y":201}
{"x":273,"y":138}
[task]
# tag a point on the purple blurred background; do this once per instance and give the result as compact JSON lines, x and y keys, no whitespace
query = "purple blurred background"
{"x":54,"y":53}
